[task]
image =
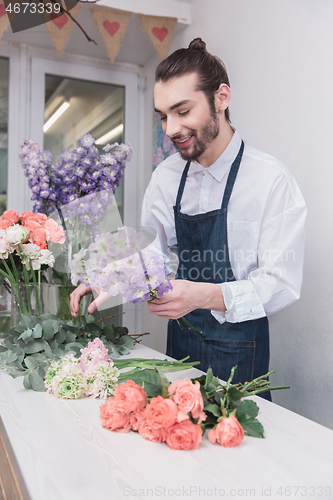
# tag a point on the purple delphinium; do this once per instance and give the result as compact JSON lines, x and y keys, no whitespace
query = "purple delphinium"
{"x":76,"y":174}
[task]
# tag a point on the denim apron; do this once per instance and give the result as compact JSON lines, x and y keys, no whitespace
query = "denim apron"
{"x":204,"y":257}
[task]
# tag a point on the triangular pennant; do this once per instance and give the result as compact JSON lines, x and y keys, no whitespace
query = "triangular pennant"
{"x":60,"y":26}
{"x":112,"y":25}
{"x":4,"y":19}
{"x":160,"y":31}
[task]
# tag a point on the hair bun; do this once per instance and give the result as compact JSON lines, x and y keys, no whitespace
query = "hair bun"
{"x":197,"y":44}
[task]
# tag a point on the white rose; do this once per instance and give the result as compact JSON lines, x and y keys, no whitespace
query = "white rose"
{"x":30,"y":250}
{"x":4,"y":248}
{"x":16,"y":234}
{"x":46,"y":257}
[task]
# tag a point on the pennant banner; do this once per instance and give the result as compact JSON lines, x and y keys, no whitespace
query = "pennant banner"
{"x":160,"y":31}
{"x":60,"y":27}
{"x":4,"y":19}
{"x":112,"y":25}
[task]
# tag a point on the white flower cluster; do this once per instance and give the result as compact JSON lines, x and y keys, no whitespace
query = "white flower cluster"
{"x":11,"y":240}
{"x":91,"y":375}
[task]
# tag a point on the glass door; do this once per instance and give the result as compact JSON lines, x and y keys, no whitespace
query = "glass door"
{"x":96,"y":100}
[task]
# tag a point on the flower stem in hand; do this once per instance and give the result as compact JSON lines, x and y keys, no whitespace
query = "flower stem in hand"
{"x":153,"y":295}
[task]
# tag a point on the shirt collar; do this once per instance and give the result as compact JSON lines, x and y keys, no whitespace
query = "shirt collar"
{"x":222,"y":165}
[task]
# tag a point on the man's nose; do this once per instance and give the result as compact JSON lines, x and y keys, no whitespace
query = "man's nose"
{"x":173,"y":127}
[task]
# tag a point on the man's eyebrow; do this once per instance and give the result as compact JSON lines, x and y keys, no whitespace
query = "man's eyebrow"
{"x":175,"y":106}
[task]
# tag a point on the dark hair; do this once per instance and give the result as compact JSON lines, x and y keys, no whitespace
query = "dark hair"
{"x":196,"y":58}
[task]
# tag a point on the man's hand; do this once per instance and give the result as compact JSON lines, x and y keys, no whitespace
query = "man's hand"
{"x":187,"y":296}
{"x":80,"y":292}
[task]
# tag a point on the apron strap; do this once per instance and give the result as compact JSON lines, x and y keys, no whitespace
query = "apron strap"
{"x":182,"y":184}
{"x":232,"y":177}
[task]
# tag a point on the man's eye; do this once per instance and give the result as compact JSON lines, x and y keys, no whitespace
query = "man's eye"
{"x":163,"y":118}
{"x":183,"y":113}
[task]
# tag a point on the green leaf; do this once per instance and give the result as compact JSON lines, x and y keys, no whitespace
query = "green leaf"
{"x":90,"y":318}
{"x":38,"y":331}
{"x":60,"y":337}
{"x":234,"y":394}
{"x":113,"y":351}
{"x":31,"y":362}
{"x":92,"y":328}
{"x":214,"y":409}
{"x":70,"y":337}
{"x":35,"y":346}
{"x":73,"y":346}
{"x":150,"y":381}
{"x":50,"y":328}
{"x":126,"y":340}
{"x":36,"y":379}
{"x":123,"y":350}
{"x":25,"y":321}
{"x":248,"y":409}
{"x":109,"y":332}
{"x":47,"y":316}
{"x":11,"y":357}
{"x":209,"y":377}
{"x":71,"y":328}
{"x":26,"y":382}
{"x":252,"y":427}
{"x":25,"y":335}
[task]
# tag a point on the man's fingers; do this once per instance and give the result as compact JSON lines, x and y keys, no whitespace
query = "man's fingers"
{"x":98,"y":301}
{"x":75,"y":298}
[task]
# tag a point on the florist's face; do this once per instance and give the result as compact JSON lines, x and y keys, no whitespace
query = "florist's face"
{"x":186,"y":115}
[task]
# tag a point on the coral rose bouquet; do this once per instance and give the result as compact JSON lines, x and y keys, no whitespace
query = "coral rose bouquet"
{"x":24,"y":253}
{"x":180,"y":412}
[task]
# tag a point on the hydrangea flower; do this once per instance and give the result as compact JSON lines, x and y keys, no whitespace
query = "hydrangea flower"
{"x":93,"y":374}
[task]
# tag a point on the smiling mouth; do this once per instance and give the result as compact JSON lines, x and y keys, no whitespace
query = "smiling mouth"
{"x":184,"y":141}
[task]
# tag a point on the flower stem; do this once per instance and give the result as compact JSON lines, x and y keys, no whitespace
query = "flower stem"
{"x":190,"y":327}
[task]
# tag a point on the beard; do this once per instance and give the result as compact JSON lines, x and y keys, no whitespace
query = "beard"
{"x":209,"y":132}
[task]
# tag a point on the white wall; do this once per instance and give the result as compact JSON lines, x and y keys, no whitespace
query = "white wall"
{"x":279,"y":57}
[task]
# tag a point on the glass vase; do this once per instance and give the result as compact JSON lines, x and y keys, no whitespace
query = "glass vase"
{"x":34,"y":300}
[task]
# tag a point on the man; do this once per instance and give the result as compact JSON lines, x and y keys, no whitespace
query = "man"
{"x":235,"y":215}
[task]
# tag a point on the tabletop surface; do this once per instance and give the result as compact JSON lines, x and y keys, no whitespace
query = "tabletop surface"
{"x":64,"y":453}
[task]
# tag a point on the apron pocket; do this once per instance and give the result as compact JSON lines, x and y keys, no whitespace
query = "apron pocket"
{"x":222,"y":355}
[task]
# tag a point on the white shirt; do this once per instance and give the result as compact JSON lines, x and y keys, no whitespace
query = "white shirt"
{"x":266,"y":216}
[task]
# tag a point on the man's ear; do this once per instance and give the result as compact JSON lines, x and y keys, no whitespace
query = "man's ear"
{"x":222,"y":97}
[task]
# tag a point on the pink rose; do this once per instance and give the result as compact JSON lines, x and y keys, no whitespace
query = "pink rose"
{"x":5,"y":223}
{"x":130,"y":396}
{"x":113,"y":417}
{"x":184,"y":436}
{"x":29,"y":216}
{"x":136,"y":418}
{"x":188,"y":396}
{"x":11,"y":216}
{"x":147,"y":431}
{"x":55,"y":233}
{"x":227,"y":433}
{"x":161,"y":412}
{"x":38,"y":237}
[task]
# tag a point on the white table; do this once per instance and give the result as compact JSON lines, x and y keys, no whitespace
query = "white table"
{"x":63,"y":453}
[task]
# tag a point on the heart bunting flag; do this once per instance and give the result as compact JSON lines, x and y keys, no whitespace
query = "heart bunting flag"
{"x":160,"y":31}
{"x":4,"y":19}
{"x":112,"y":25}
{"x":60,"y":26}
